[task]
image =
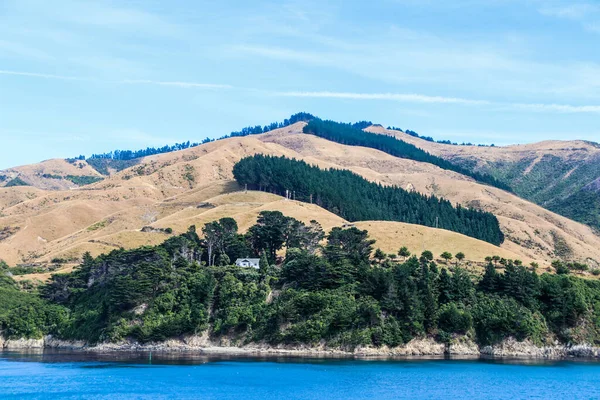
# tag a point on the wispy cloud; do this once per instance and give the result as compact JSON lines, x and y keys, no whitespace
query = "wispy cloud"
{"x":401,"y":97}
{"x":426,"y":99}
{"x":45,"y":76}
{"x":44,"y":135}
{"x":103,"y":15}
{"x":135,"y":136}
{"x":593,"y":27}
{"x":184,"y":85}
{"x":561,"y":108}
{"x":279,"y":53}
{"x":20,"y":50}
{"x":576,"y":11}
{"x":394,"y":58}
{"x":414,"y":98}
{"x":587,"y":14}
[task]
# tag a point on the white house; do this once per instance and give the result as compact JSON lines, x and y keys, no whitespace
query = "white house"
{"x":248,"y":262}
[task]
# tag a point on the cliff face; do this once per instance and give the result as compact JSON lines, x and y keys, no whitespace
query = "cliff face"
{"x":421,"y":347}
{"x":21,"y":344}
{"x":513,"y":348}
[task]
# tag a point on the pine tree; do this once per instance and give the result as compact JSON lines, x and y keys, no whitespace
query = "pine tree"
{"x":263,"y":264}
{"x":379,"y":255}
{"x":446,"y":292}
{"x":447,"y":256}
{"x":403,"y":252}
{"x":427,"y":255}
{"x":489,"y":283}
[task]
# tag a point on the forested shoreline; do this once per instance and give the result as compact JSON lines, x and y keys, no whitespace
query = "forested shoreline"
{"x":311,"y":288}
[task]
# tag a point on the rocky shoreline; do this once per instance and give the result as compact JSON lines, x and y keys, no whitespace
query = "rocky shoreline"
{"x":424,"y":347}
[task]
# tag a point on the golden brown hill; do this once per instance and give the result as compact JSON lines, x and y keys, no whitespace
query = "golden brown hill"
{"x":562,"y":176}
{"x":567,"y":149}
{"x":195,"y":186}
{"x":114,"y":232}
{"x":50,"y":174}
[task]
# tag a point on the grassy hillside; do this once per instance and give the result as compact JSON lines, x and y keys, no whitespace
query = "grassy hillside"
{"x":56,"y":174}
{"x":557,"y":175}
{"x":557,"y":183}
{"x":354,"y":135}
{"x":194,"y":186}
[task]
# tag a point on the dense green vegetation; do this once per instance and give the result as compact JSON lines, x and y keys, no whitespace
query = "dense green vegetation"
{"x":26,"y":314}
{"x":336,"y":292}
{"x":104,"y":165}
{"x":125,"y":155}
{"x":123,"y":159}
{"x":83,"y":179}
{"x":564,"y":186}
{"x":79,"y":180}
{"x":32,"y":269}
{"x":354,"y":136}
{"x":16,"y":182}
{"x":356,"y":199}
{"x":256,"y":130}
{"x":583,"y":206}
{"x":430,"y":139}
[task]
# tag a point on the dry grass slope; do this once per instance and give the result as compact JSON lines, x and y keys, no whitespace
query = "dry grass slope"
{"x":194,"y":186}
{"x":43,"y":175}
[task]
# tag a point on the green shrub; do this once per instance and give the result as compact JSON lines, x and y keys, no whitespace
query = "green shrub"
{"x":452,"y":319}
{"x":497,"y":318}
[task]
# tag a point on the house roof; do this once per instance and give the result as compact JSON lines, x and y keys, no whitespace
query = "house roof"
{"x":248,"y":259}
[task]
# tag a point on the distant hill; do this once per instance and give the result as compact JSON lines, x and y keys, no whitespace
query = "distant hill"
{"x":562,"y":176}
{"x":45,"y":223}
{"x":353,"y":135}
{"x":56,"y":174}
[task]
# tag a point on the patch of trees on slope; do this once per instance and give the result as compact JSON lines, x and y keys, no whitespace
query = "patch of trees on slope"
{"x":126,"y":155}
{"x":356,"y":199}
{"x":123,"y":159}
{"x":353,"y":135}
{"x":348,"y":134}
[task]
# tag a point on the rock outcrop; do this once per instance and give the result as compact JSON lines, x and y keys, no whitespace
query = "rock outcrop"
{"x":514,"y":348}
{"x":419,"y":347}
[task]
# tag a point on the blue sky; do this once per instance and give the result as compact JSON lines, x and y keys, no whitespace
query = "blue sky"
{"x":78,"y":77}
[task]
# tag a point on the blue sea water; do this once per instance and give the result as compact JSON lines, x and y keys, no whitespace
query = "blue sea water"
{"x":140,"y":376}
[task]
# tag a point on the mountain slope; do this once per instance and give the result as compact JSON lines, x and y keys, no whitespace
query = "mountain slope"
{"x":561,"y":176}
{"x":55,"y":174}
{"x":356,"y":199}
{"x":182,"y":188}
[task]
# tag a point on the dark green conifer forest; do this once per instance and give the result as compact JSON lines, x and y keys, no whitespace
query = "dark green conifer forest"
{"x":353,"y":135}
{"x":356,"y":199}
